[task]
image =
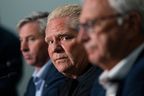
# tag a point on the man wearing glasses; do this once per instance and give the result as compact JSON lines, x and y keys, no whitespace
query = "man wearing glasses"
{"x":117,"y":28}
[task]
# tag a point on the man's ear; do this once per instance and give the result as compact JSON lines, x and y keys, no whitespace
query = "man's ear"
{"x":136,"y":21}
{"x":133,"y":24}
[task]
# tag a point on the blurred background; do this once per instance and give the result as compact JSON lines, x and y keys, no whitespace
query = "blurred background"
{"x":11,"y":11}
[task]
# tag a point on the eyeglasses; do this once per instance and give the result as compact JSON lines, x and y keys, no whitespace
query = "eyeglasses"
{"x":99,"y":21}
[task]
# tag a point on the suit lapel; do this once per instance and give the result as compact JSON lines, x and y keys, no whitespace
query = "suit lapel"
{"x":30,"y":88}
{"x":133,"y":84}
{"x":48,"y":79}
{"x":53,"y":80}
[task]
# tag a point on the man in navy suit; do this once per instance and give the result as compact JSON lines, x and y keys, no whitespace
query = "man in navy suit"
{"x":10,"y":62}
{"x":69,"y":57}
{"x":117,"y":28}
{"x":46,"y":80}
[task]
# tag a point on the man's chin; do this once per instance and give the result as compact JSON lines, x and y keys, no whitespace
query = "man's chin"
{"x":93,"y":60}
{"x":61,"y":70}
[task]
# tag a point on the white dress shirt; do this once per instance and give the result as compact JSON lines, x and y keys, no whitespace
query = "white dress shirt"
{"x":118,"y":72}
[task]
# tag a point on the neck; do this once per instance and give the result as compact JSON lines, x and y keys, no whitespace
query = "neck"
{"x":76,"y":72}
{"x":129,"y":47}
{"x":40,"y":65}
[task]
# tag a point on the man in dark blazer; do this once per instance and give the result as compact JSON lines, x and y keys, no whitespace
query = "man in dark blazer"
{"x":117,"y":28}
{"x":131,"y":85}
{"x":46,"y":80}
{"x":68,"y":56}
{"x":10,"y":62}
{"x":53,"y":83}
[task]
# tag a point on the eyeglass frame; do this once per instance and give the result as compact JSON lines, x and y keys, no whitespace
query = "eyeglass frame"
{"x":91,"y":23}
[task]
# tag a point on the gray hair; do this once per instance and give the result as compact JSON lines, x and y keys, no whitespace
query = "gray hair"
{"x":40,"y":17}
{"x":70,"y":10}
{"x":124,"y":6}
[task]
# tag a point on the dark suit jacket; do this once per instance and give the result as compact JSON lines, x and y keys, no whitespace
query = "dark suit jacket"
{"x":84,"y":83}
{"x":132,"y":84}
{"x":53,"y":82}
{"x":10,"y":62}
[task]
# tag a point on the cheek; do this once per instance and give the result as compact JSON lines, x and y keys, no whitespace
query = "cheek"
{"x":109,"y":43}
{"x":100,"y":39}
{"x":35,"y":49}
{"x":69,"y":49}
{"x":99,"y":45}
{"x":63,"y":65}
{"x":50,"y":53}
{"x":73,"y":50}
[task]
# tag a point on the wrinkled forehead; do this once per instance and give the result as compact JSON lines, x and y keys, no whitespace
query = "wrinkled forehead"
{"x":58,"y":26}
{"x":95,"y":8}
{"x":56,"y":22}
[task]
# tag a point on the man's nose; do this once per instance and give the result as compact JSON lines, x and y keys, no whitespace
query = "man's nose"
{"x":24,"y":47}
{"x":57,"y":47}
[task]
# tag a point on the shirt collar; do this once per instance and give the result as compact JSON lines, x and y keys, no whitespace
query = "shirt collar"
{"x":122,"y":68}
{"x":43,"y":71}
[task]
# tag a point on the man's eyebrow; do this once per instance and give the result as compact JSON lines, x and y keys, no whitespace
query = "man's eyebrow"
{"x":31,"y":36}
{"x":63,"y":34}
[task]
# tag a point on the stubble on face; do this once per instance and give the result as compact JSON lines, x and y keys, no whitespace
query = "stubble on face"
{"x":72,"y":50}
